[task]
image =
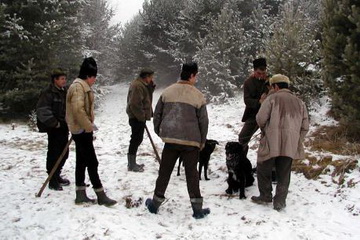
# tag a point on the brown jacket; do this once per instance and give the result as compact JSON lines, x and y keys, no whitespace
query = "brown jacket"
{"x":283,"y":120}
{"x":180,"y":115}
{"x":80,"y":107}
{"x":139,"y":100}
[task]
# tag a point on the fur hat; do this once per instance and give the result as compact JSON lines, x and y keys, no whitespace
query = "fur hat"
{"x":88,"y":68}
{"x":145,"y":72}
{"x":259,"y":62}
{"x":279,"y":78}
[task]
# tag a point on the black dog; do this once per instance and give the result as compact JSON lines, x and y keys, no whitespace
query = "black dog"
{"x":239,"y":169}
{"x":204,"y":157}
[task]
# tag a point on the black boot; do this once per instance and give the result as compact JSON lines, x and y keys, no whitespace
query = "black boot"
{"x":63,"y":181}
{"x":154,"y":204}
{"x":81,"y":196}
{"x":54,"y":184}
{"x":133,"y":166}
{"x":103,"y":199}
{"x":199,"y":212}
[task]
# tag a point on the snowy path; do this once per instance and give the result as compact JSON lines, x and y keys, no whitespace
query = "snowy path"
{"x":315,"y":210}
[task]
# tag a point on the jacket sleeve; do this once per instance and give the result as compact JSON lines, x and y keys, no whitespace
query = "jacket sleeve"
{"x":158,"y":115}
{"x":203,"y":123}
{"x":78,"y":108}
{"x":305,"y":124}
{"x":249,"y":99}
{"x":264,"y":113}
{"x":44,"y":111}
{"x":136,"y":103}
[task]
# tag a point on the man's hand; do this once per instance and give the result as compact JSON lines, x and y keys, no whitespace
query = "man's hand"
{"x":262,"y":98}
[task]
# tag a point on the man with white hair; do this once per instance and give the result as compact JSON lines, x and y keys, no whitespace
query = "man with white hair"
{"x":283,"y":120}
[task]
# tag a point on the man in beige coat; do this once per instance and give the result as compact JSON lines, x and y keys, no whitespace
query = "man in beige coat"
{"x":80,"y":119}
{"x":283,"y":120}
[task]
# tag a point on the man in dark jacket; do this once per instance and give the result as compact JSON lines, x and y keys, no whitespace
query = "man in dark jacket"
{"x":181,"y":120}
{"x":50,"y":111}
{"x":255,"y":91}
{"x":139,"y":110}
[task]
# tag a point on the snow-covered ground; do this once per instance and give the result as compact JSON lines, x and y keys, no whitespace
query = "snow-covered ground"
{"x":315,"y":209}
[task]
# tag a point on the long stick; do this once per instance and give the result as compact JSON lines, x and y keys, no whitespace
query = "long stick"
{"x":54,"y":168}
{"x":153,"y":145}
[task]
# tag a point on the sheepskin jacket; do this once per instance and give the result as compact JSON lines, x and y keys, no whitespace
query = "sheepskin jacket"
{"x":80,"y":107}
{"x":180,"y":115}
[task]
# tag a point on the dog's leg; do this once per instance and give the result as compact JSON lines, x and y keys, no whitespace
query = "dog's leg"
{"x":205,"y":172}
{"x":229,"y":180}
{"x":242,"y":186}
{"x":200,"y":167}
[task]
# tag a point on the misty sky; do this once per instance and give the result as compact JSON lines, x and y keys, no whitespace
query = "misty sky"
{"x":125,"y":9}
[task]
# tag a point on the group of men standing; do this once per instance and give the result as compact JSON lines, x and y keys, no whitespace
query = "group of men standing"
{"x":181,"y":121}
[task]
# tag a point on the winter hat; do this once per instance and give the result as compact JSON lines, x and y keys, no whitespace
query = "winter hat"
{"x":57,"y":72}
{"x":88,"y":68}
{"x":279,"y":78}
{"x":259,"y":62}
{"x":146,"y":72}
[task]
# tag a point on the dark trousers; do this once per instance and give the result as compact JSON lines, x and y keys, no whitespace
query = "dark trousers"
{"x":248,"y":130}
{"x":57,"y":140}
{"x":86,"y":158}
{"x":283,"y":171}
{"x":170,"y":154}
{"x":137,"y":135}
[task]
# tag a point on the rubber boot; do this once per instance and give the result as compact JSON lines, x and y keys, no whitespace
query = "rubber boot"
{"x":132,"y":166}
{"x":81,"y":196}
{"x":199,"y":212}
{"x":103,"y":199}
{"x":154,"y":204}
{"x":54,"y":184}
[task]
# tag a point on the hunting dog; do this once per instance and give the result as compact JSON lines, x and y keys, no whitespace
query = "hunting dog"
{"x":204,"y":157}
{"x":240,"y":174}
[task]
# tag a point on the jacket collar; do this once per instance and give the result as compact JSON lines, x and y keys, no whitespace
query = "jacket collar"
{"x":83,"y":84}
{"x":184,"y":82}
{"x":285,"y":90}
{"x":142,"y":81}
{"x":54,"y":88}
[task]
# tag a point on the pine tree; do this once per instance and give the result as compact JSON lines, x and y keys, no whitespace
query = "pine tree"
{"x":294,"y":51}
{"x":99,"y":37}
{"x":341,"y":49}
{"x":219,"y":52}
{"x":36,"y":37}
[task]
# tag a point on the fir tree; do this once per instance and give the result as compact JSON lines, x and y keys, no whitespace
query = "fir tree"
{"x":341,"y":49}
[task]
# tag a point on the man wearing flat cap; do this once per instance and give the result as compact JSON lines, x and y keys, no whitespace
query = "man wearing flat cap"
{"x":50,"y":111}
{"x":283,"y":120}
{"x":139,"y":110}
{"x":255,"y":91}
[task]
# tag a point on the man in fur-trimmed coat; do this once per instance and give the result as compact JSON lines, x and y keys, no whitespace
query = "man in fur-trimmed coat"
{"x":181,"y":120}
{"x":283,"y":120}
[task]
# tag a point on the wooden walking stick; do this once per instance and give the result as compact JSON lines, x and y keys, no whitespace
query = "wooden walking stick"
{"x":153,"y":145}
{"x":54,"y":168}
